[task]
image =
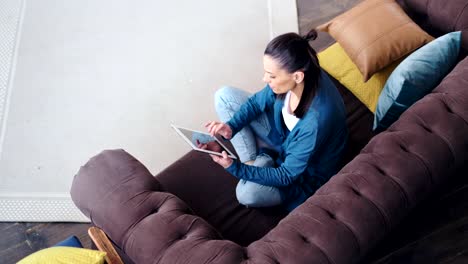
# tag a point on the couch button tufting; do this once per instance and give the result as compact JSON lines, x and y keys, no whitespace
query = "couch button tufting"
{"x":447,"y":107}
{"x":356,"y":192}
{"x":332,"y":216}
{"x":305,"y":239}
{"x":380,"y":170}
{"x":427,"y":129}
{"x":403,"y":147}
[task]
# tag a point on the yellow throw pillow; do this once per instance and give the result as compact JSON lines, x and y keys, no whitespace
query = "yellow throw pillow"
{"x":336,"y":62}
{"x":62,"y":255}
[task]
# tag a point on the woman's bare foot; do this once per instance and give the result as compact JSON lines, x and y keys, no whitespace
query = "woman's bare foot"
{"x":250,"y":162}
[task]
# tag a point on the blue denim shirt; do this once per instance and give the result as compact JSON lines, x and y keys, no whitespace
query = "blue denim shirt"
{"x":309,"y":154}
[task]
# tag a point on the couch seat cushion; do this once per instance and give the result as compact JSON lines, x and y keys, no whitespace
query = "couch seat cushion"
{"x":210,"y":192}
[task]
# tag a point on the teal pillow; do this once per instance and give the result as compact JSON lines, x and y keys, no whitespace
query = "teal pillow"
{"x":416,"y":76}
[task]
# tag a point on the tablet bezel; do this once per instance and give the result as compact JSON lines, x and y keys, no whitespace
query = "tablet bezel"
{"x":176,"y":128}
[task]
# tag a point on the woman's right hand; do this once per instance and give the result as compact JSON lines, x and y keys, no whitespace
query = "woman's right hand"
{"x":218,"y":128}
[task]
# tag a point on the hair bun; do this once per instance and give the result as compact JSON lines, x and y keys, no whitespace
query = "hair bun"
{"x":312,"y":35}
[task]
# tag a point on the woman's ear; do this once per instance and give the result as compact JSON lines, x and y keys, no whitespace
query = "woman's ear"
{"x":298,"y":76}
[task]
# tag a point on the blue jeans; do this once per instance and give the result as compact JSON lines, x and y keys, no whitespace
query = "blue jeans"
{"x":246,"y":142}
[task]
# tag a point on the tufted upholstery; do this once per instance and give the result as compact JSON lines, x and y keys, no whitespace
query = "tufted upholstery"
{"x":439,"y":17}
{"x":340,"y":223}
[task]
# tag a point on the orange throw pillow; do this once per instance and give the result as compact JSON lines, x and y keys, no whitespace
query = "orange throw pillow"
{"x":375,"y":33}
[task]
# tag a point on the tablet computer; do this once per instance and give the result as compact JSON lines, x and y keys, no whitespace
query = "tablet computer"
{"x":202,"y":141}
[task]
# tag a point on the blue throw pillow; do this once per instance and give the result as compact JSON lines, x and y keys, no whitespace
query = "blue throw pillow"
{"x":416,"y":76}
{"x":71,"y":241}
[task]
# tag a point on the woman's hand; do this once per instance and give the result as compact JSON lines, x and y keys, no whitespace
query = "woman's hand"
{"x":225,"y":161}
{"x":212,"y":145}
{"x":218,"y":128}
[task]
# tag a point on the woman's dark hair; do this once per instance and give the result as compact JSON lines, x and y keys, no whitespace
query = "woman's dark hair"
{"x":294,"y":53}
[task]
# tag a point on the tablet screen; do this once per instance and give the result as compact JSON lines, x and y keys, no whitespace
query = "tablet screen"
{"x":203,"y":141}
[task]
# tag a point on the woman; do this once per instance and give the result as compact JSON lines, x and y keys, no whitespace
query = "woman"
{"x":289,"y":136}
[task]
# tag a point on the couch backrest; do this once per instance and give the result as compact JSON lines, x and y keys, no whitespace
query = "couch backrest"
{"x":339,"y":224}
{"x":438,"y":17}
{"x":399,"y":167}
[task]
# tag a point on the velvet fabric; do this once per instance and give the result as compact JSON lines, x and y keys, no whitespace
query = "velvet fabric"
{"x":187,"y":213}
{"x":438,"y":17}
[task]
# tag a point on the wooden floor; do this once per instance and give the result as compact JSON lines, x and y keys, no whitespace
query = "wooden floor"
{"x":436,"y":232}
{"x":312,"y":13}
{"x":21,"y":239}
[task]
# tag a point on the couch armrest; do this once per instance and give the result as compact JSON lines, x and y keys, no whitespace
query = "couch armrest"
{"x":113,"y":182}
{"x":121,"y":197}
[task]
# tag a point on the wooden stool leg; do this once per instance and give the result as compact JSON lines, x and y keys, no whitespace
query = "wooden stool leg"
{"x":103,"y":243}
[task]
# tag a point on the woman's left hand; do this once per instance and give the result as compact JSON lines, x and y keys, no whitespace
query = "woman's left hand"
{"x":225,"y":161}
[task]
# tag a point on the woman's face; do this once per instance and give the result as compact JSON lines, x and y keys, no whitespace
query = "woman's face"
{"x":279,"y":79}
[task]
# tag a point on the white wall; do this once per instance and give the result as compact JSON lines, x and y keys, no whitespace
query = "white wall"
{"x":94,"y":75}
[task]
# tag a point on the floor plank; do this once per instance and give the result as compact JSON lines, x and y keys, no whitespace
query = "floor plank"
{"x":446,"y":245}
{"x":312,"y":13}
{"x":445,"y":207}
{"x":21,"y":239}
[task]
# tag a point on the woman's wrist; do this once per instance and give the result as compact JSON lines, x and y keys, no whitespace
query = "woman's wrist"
{"x":230,"y":166}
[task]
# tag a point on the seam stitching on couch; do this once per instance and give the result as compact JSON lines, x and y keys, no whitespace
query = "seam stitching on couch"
{"x":443,"y":98}
{"x":131,"y":229}
{"x":346,"y":226}
{"x":394,"y":180}
{"x":114,"y":188}
{"x":459,"y":16}
{"x":379,"y":210}
{"x":123,"y":247}
{"x":313,"y":243}
{"x":148,"y":194}
{"x":276,"y":258}
{"x":420,"y":159}
{"x":166,"y":249}
{"x":441,"y":137}
{"x":354,"y":235}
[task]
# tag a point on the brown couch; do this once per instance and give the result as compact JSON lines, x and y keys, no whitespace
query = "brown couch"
{"x":189,"y":214}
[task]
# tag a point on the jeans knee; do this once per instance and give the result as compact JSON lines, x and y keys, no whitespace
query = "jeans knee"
{"x":246,"y":196}
{"x":247,"y":199}
{"x":222,"y":94}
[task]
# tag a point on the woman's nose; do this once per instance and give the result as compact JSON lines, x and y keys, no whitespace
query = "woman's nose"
{"x":265,"y":79}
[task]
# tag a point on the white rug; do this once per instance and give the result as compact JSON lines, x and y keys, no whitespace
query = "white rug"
{"x":77,"y":78}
